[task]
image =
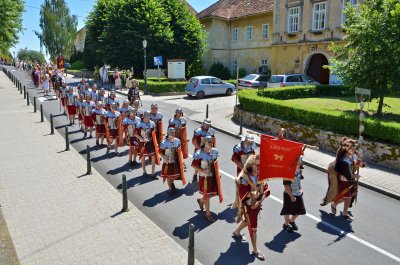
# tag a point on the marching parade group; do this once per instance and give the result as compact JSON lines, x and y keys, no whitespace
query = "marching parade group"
{"x":126,"y":123}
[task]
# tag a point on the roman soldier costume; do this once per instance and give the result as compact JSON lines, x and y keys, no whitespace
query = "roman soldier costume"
{"x":136,"y":106}
{"x":129,"y":124}
{"x":63,"y":96}
{"x":112,"y":99}
{"x":94,"y":94}
{"x":172,"y":167}
{"x":113,"y":127}
{"x":206,"y":163}
{"x":242,"y":151}
{"x":98,"y":118}
{"x":156,"y":117}
{"x":133,"y":92}
{"x":102,"y":97}
{"x":145,"y":129}
{"x":87,"y":107}
{"x":72,"y":99}
{"x":179,"y":123}
{"x":79,"y":110}
{"x":125,"y":109}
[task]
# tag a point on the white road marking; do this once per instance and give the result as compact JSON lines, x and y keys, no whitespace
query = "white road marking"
{"x":337,"y":229}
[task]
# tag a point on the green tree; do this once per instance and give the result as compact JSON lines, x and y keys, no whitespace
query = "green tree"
{"x":118,"y":28}
{"x":58,"y":28}
{"x":371,"y":56}
{"x":31,"y":56}
{"x":10,"y":23}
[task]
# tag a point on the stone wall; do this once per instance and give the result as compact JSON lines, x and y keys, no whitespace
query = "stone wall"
{"x":383,"y":154}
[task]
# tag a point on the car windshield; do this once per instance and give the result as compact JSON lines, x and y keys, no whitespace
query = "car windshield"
{"x":249,"y":77}
{"x":307,"y":79}
{"x":276,"y":79}
{"x":192,"y":80}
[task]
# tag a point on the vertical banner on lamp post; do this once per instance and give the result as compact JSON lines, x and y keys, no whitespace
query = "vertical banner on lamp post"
{"x":278,"y":158}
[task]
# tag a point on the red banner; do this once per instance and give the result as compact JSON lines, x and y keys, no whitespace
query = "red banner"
{"x":60,"y":62}
{"x":278,"y":158}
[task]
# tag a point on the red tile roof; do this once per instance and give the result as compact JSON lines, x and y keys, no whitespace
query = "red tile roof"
{"x":190,"y":7}
{"x":230,"y":9}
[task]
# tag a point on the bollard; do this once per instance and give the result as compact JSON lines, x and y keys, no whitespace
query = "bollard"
{"x":89,"y":165}
{"x":41,"y":113}
{"x":241,"y":126}
{"x":191,"y":245}
{"x":51,"y":124}
{"x":34,"y":104}
{"x":24,"y":92}
{"x":20,"y":91}
{"x":66,"y":139}
{"x":124,"y":195}
{"x":207,"y":111}
{"x":27,"y":98}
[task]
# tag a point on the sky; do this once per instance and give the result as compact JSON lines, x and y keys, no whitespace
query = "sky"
{"x":81,"y":8}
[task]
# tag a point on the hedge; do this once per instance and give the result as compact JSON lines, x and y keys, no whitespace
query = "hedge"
{"x":310,"y":91}
{"x":332,"y":120}
{"x":164,"y":87}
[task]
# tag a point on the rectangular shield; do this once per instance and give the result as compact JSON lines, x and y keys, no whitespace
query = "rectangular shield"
{"x":107,"y":132}
{"x":120,"y":131}
{"x":160,"y":130}
{"x":184,"y":143}
{"x":181,"y":166}
{"x":155,"y":143}
{"x":218,"y":179}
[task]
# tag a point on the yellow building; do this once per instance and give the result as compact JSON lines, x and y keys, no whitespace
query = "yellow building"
{"x":239,"y":33}
{"x":303,"y":31}
{"x":290,"y":36}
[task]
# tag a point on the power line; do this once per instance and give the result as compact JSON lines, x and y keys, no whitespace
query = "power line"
{"x":35,"y":7}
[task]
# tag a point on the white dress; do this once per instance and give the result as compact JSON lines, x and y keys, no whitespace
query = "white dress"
{"x":46,"y":84}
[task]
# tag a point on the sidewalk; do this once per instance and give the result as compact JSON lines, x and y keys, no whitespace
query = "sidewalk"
{"x":373,"y":177}
{"x":57,"y":215}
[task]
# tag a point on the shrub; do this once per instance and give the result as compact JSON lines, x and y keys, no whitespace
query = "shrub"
{"x":332,"y":120}
{"x":163,"y":87}
{"x":309,"y":91}
{"x":220,"y":71}
{"x":77,"y":65}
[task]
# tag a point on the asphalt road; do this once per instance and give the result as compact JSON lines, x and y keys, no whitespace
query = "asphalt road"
{"x":322,"y":239}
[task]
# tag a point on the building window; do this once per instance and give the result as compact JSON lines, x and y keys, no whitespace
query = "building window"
{"x":249,"y":33}
{"x":294,"y":18}
{"x":353,"y":3}
{"x":234,"y":66}
{"x":265,"y":31}
{"x":264,"y":62}
{"x":319,"y":16}
{"x":235,"y":34}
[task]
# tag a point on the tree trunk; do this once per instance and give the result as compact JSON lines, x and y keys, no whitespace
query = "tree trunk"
{"x":380,"y":106}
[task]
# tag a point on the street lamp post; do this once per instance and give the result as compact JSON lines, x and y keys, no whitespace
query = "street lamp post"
{"x":145,"y":67}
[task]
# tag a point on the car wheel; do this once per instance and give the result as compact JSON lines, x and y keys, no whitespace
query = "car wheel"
{"x":200,"y":94}
{"x":189,"y":95}
{"x":229,"y":92}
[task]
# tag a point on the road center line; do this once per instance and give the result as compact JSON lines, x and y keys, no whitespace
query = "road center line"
{"x":337,"y":229}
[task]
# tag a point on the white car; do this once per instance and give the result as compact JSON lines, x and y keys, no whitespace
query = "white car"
{"x":290,"y":80}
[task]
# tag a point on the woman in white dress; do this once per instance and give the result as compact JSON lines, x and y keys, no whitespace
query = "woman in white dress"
{"x":46,"y":84}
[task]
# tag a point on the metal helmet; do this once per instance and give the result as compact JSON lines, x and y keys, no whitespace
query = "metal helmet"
{"x":94,"y":86}
{"x":102,"y":90}
{"x":113,"y":105}
{"x":88,"y":95}
{"x":70,"y":88}
{"x":99,"y":104}
{"x":126,"y":100}
{"x":136,"y":102}
{"x":154,"y":105}
{"x":249,"y":138}
{"x":132,"y":112}
{"x":171,"y":131}
{"x":207,"y":140}
{"x":112,"y":92}
{"x":146,"y":114}
{"x":179,"y":110}
{"x":207,"y":121}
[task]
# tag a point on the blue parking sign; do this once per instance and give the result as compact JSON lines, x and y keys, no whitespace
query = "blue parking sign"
{"x":158,"y":61}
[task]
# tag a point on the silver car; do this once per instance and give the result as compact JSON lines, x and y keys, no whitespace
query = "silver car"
{"x":201,"y":86}
{"x":253,"y":81}
{"x":290,"y":80}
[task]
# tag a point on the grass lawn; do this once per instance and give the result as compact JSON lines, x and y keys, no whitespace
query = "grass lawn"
{"x":391,"y":107}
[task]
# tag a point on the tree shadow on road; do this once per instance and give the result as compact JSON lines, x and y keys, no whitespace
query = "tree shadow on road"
{"x":281,"y":240}
{"x":138,"y":180}
{"x":337,"y":226}
{"x":237,"y":253}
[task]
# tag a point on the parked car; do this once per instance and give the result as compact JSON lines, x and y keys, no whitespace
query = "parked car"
{"x":67,"y":65}
{"x":290,"y":80}
{"x":253,"y":81}
{"x":201,"y":86}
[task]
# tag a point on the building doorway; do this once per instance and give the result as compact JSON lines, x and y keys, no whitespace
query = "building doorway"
{"x":315,"y":68}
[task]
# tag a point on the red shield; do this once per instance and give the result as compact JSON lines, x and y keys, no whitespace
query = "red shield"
{"x":184,"y":143}
{"x":181,"y":166}
{"x":155,"y":143}
{"x":160,"y":130}
{"x":218,"y":179}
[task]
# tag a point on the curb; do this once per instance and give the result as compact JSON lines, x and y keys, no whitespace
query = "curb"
{"x":316,"y":166}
